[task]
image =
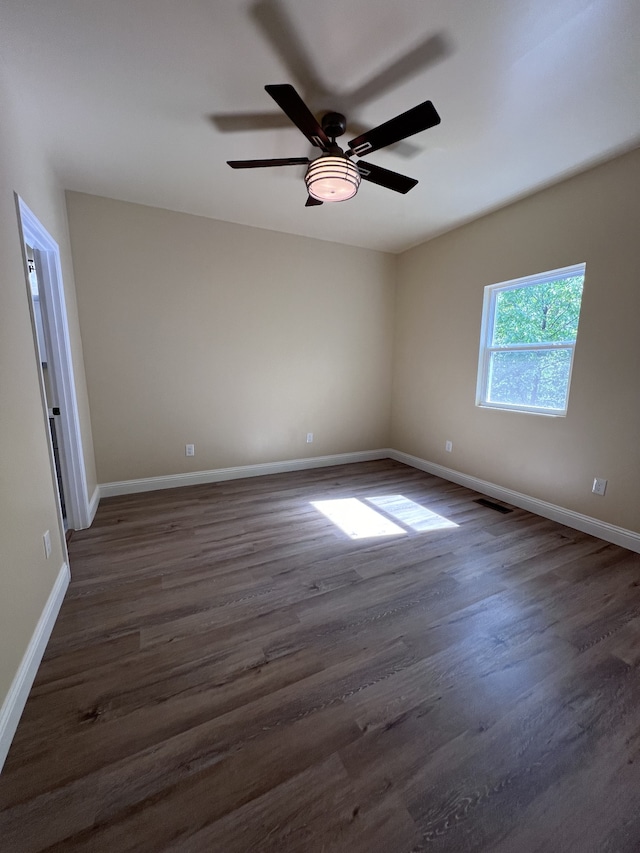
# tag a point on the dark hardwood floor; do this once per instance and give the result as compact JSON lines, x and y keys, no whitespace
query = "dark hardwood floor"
{"x":230,"y":672}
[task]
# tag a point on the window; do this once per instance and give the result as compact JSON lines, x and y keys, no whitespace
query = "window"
{"x":529,"y":329}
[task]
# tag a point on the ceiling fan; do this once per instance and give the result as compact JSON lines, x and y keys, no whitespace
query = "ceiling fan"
{"x":333,"y":176}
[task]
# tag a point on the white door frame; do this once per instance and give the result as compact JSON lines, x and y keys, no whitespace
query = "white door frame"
{"x":54,"y":317}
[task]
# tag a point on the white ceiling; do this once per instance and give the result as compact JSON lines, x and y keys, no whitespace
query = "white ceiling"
{"x":131,"y":98}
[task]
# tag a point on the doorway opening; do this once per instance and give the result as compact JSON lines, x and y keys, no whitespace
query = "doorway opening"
{"x":48,"y":311}
{"x":53,"y":409}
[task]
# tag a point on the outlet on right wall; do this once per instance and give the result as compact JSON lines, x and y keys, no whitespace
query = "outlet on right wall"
{"x":594,"y":218}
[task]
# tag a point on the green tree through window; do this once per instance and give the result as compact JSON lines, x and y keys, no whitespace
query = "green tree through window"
{"x":528,"y":337}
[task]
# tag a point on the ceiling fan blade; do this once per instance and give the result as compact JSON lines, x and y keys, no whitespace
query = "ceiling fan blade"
{"x":312,"y":202}
{"x":406,"y":124}
{"x":258,"y":164}
{"x":292,"y":105}
{"x":404,"y":149}
{"x":385,"y":178}
{"x":430,"y":51}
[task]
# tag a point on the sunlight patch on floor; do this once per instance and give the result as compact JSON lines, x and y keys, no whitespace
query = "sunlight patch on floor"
{"x":360,"y":521}
{"x":410,"y":513}
{"x":356,"y":519}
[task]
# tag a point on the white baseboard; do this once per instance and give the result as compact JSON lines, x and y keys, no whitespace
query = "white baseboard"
{"x":609,"y":532}
{"x":93,"y":504}
{"x":149,"y":484}
{"x":16,"y":698}
{"x":585,"y":523}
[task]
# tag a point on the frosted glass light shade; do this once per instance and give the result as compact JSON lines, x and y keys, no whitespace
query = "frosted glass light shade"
{"x":331,"y":178}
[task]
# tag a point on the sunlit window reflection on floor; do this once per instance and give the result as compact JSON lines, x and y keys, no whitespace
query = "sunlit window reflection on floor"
{"x":414,"y":515}
{"x":360,"y":521}
{"x":356,"y":519}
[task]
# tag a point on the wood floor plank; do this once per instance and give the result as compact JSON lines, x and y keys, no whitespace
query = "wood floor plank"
{"x":293,"y":817}
{"x":231,"y":672}
{"x":482,"y":791}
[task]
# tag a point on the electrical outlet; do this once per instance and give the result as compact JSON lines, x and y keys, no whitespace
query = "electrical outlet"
{"x":309,"y":438}
{"x":448,"y":446}
{"x":46,"y":538}
{"x":599,"y":486}
{"x":189,"y":450}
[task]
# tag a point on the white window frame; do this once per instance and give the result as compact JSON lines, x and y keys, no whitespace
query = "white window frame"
{"x":491,"y":292}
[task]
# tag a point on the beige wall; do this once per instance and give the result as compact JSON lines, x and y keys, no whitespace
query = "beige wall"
{"x":594,"y":217}
{"x":27,"y":491}
{"x":235,"y":339}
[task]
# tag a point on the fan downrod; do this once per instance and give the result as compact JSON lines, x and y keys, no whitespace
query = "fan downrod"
{"x":334,"y":124}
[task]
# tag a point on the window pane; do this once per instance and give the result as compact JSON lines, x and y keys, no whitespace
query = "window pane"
{"x":537,"y":378}
{"x":539,"y":313}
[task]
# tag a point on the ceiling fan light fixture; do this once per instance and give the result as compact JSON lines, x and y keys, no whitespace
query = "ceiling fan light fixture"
{"x":332,"y":178}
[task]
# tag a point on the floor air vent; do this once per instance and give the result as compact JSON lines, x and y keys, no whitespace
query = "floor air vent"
{"x":492,"y":505}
